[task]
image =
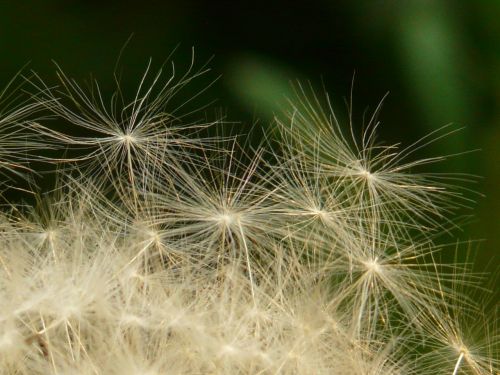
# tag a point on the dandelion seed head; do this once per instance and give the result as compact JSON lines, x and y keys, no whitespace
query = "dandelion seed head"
{"x":198,"y":255}
{"x":127,"y":139}
{"x":153,"y":235}
{"x":227,"y":218}
{"x":49,"y":235}
{"x":373,"y":266}
{"x":366,"y":174}
{"x":318,"y":212}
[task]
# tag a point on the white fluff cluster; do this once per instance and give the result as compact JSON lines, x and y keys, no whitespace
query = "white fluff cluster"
{"x":164,"y":250}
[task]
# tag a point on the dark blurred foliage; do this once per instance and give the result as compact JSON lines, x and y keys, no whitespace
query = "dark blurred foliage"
{"x":439,"y":61}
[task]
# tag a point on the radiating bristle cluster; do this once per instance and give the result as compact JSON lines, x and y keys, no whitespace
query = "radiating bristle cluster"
{"x":165,"y":250}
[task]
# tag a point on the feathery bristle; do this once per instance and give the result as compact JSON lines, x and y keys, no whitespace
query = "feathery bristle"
{"x":164,"y":251}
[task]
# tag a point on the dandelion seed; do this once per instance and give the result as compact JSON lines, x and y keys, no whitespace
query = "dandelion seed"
{"x":17,"y":141}
{"x":126,"y":136}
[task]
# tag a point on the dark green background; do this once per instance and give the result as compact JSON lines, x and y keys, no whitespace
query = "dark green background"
{"x":440,"y":61}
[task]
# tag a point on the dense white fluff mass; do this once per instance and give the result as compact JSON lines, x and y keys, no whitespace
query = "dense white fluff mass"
{"x":166,"y":250}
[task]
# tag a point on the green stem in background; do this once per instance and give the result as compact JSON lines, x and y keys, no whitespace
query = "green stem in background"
{"x":428,"y":43}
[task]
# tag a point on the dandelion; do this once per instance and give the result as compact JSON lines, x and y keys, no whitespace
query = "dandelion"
{"x":163,"y":250}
